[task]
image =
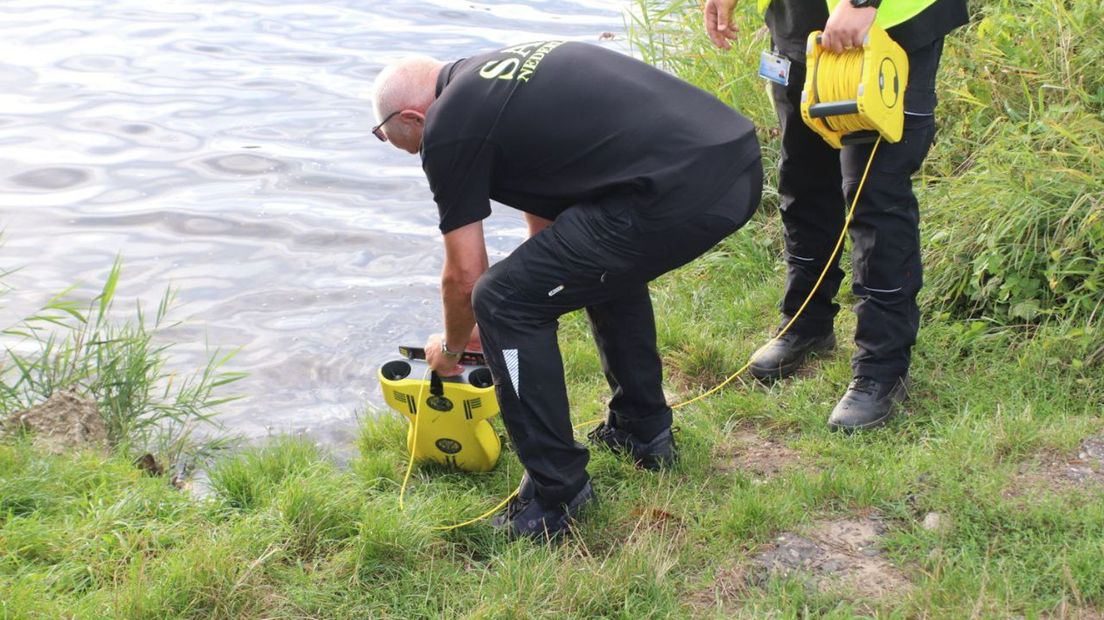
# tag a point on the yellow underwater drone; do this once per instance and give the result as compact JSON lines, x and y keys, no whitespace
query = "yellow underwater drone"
{"x":854,"y":96}
{"x":454,"y":429}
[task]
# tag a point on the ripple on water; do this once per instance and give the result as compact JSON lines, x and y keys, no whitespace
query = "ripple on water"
{"x":143,"y":15}
{"x":51,"y":178}
{"x":56,"y":36}
{"x":240,"y":164}
{"x":100,"y":63}
{"x":13,"y":77}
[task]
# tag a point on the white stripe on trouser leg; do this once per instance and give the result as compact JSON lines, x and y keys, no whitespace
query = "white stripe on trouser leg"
{"x":511,"y":356}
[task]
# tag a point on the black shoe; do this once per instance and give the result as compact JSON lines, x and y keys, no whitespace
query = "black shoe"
{"x":526,"y":516}
{"x":657,"y":453}
{"x":868,"y":403}
{"x":781,"y":357}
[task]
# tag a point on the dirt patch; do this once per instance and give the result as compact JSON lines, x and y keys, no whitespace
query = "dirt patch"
{"x":838,"y":556}
{"x":1053,"y":473}
{"x":66,"y":420}
{"x":761,"y":457}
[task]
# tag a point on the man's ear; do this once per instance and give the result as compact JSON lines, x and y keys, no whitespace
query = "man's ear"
{"x":413,"y":116}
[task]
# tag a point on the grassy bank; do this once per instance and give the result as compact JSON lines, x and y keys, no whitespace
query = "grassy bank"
{"x":288,"y":535}
{"x":986,"y":500}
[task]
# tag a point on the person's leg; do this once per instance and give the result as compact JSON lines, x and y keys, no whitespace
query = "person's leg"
{"x":522,"y":351}
{"x":887,"y":270}
{"x":624,"y":330}
{"x":639,"y":418}
{"x":885,"y":231}
{"x":812,"y":209}
{"x":812,"y":217}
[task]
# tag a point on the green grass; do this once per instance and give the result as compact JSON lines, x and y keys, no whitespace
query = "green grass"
{"x":1000,"y":388}
{"x":89,"y":536}
{"x":285,"y":534}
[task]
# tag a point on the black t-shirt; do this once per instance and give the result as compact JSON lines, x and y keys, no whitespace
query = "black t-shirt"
{"x":548,"y":125}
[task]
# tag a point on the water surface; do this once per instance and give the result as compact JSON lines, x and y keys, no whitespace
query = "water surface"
{"x":222,"y":148}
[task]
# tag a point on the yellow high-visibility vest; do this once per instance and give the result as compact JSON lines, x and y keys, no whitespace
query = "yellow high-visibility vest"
{"x":890,"y":13}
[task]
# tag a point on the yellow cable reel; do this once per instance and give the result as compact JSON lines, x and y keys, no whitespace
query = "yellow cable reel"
{"x":858,"y":94}
{"x":454,"y":429}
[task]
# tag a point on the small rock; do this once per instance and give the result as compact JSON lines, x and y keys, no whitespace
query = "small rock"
{"x":1078,"y":473}
{"x":1093,"y":449}
{"x":937,"y":522}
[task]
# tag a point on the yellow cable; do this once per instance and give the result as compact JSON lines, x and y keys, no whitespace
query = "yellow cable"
{"x":808,"y":298}
{"x":445,"y":528}
{"x":837,"y":79}
{"x":413,"y":440}
{"x":502,"y":504}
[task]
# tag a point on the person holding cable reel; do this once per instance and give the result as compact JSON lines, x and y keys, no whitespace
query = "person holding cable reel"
{"x":817,"y":182}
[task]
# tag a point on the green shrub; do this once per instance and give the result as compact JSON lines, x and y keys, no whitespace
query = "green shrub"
{"x":1015,"y":221}
{"x":1012,"y":194}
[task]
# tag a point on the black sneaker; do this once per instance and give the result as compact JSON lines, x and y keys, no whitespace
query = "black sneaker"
{"x":655,"y":454}
{"x":782,"y":357}
{"x":868,"y":403}
{"x":526,"y":516}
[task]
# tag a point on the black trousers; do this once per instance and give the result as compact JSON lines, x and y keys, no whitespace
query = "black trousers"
{"x":817,"y":184}
{"x":599,"y":257}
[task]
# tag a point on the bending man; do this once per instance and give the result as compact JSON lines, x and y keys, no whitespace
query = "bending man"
{"x":624,"y":173}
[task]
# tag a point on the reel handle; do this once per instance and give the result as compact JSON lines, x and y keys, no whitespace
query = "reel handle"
{"x":472,"y":358}
{"x":820,"y":43}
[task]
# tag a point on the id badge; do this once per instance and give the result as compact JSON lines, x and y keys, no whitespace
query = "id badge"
{"x":774,"y":67}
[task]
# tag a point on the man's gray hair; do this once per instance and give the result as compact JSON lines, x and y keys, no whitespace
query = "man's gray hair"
{"x":403,"y":85}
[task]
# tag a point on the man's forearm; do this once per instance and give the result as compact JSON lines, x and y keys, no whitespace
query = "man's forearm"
{"x":465,"y":262}
{"x":459,"y":317}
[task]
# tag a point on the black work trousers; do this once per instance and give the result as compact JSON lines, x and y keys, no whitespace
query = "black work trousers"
{"x":599,"y":257}
{"x":817,"y":184}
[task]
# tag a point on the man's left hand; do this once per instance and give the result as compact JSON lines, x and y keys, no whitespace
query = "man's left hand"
{"x":443,"y":365}
{"x":847,"y":26}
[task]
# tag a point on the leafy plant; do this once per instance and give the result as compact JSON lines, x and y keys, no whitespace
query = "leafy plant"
{"x":72,"y":344}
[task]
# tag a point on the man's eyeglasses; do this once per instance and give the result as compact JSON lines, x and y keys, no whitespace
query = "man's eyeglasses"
{"x":378,"y":129}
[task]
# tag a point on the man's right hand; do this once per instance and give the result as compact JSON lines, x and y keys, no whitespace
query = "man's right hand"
{"x":718,"y":22}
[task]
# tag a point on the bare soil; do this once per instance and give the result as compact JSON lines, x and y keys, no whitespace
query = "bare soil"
{"x":1055,"y":473}
{"x":761,"y":457}
{"x":842,"y":556}
{"x":65,"y":420}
